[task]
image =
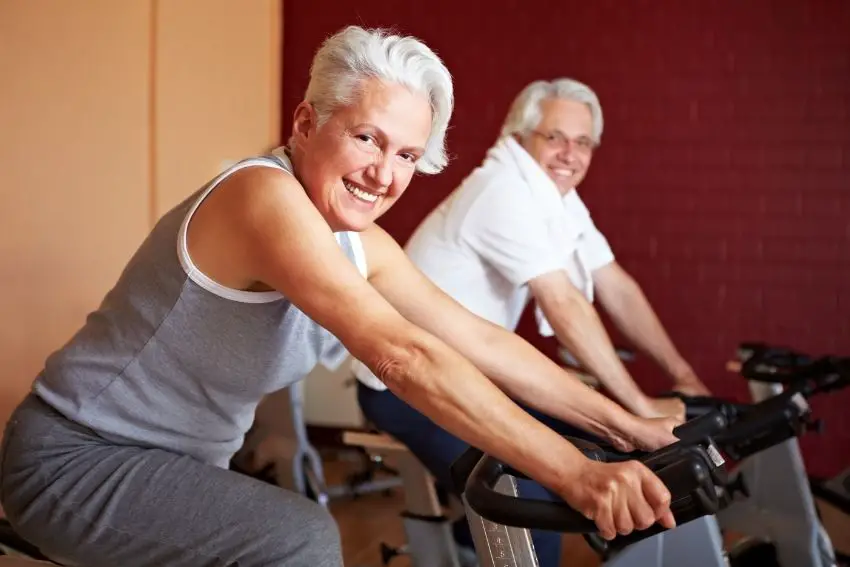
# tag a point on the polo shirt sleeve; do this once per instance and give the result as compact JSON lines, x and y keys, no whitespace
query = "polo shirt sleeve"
{"x":506,"y":228}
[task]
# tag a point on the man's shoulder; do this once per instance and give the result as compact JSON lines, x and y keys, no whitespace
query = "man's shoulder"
{"x":494,"y":189}
{"x":487,"y":195}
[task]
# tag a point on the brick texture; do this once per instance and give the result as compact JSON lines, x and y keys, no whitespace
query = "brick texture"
{"x":723,"y":181}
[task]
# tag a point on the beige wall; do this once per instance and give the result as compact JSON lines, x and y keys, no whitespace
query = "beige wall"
{"x":218,"y":70}
{"x":110,"y":113}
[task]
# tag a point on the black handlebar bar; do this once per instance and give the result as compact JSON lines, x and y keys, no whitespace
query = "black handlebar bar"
{"x":511,"y":511}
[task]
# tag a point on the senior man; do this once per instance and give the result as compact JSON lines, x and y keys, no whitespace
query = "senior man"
{"x":516,"y":228}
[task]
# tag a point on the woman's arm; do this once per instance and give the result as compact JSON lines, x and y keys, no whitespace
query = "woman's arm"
{"x":508,"y":360}
{"x":260,"y":228}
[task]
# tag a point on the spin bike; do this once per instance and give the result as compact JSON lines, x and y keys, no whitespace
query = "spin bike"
{"x":707,"y":472}
{"x":779,"y":517}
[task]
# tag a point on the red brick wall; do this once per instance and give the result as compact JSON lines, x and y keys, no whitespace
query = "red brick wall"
{"x":723,"y":181}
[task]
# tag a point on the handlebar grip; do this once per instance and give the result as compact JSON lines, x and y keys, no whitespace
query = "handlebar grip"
{"x":698,"y":406}
{"x":699,"y":501}
{"x":689,"y":432}
{"x":695,"y":406}
{"x":766,"y":424}
{"x":705,"y":426}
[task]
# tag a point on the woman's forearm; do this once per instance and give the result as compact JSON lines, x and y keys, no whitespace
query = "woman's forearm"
{"x":532,"y":378}
{"x":450,"y":390}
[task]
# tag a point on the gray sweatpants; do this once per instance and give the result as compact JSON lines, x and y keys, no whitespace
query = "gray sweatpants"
{"x":86,"y":502}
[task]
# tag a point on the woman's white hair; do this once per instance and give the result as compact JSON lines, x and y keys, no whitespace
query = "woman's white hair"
{"x":355,"y":54}
{"x":525,"y":114}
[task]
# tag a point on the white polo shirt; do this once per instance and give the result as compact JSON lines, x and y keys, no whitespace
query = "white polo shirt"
{"x":505,"y":225}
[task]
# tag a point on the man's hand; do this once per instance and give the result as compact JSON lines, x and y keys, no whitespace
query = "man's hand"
{"x":619,"y":497}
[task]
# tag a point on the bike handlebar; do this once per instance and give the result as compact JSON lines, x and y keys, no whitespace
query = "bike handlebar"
{"x":692,"y":471}
{"x":802,"y":372}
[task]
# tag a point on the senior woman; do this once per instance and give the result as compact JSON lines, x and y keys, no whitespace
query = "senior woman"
{"x":119,"y":454}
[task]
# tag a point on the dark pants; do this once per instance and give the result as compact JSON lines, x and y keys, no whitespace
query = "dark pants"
{"x":437,"y":450}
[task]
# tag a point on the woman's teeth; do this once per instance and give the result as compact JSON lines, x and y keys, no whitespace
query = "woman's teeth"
{"x":360,"y":194}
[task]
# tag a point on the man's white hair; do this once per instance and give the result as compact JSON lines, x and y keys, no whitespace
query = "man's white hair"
{"x":355,"y":54}
{"x":525,"y":114}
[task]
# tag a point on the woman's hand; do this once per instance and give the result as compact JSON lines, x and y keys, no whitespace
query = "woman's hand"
{"x":690,"y":385}
{"x":645,"y":434}
{"x":619,"y":497}
{"x":666,"y":407}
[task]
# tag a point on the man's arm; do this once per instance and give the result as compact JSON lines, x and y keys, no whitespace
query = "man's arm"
{"x":623,"y":299}
{"x":509,"y":231}
{"x":578,"y":327}
{"x":509,"y":361}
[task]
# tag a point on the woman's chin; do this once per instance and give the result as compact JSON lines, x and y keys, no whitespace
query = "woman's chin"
{"x":344,"y":214}
{"x":350,"y":220}
{"x":357,"y":214}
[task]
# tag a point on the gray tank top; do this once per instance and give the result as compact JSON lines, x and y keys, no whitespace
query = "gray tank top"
{"x":172,"y":359}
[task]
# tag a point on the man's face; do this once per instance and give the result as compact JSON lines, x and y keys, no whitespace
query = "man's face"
{"x":563,"y":141}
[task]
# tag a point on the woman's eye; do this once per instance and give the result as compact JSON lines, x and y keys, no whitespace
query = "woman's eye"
{"x":366,"y":138}
{"x":408,"y":157}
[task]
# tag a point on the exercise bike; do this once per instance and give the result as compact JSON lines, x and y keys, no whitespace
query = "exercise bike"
{"x":500,"y":521}
{"x":779,"y":519}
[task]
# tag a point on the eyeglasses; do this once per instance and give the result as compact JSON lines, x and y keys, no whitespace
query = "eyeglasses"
{"x":557,"y":140}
